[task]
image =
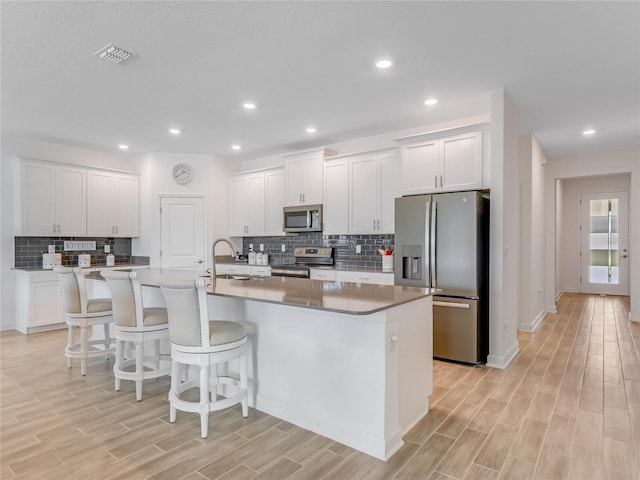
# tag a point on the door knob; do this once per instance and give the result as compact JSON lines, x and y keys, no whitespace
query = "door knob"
{"x":199,"y":261}
{"x":623,"y":256}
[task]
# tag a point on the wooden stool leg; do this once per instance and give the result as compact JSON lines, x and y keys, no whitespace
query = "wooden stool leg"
{"x":118,"y":364}
{"x":243,"y":384}
{"x":107,"y":337}
{"x":139,"y":369}
{"x":173,"y":392}
{"x":70,"y":341}
{"x":83,"y":349}
{"x":215,"y":381}
{"x":204,"y":400}
{"x":156,"y":344}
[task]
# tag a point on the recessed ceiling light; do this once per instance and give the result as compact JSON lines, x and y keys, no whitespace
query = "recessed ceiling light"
{"x":175,"y":131}
{"x":431,"y":101}
{"x":236,"y":147}
{"x":311,"y":130}
{"x":249,"y":105}
{"x":384,"y":63}
{"x":123,"y":147}
{"x":588,"y":132}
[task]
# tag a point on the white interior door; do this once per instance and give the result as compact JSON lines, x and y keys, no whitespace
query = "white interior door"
{"x":182,"y":232}
{"x":604,"y":254}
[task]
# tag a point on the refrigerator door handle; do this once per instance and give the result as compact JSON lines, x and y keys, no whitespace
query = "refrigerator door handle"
{"x":452,"y":305}
{"x":426,"y":256}
{"x":432,"y":244}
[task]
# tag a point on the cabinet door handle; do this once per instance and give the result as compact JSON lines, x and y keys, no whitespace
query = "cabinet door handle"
{"x":440,"y":181}
{"x":374,"y":224}
{"x":435,"y":177}
{"x":300,"y":198}
{"x":117,"y":229}
{"x":53,"y":228}
{"x":378,"y":224}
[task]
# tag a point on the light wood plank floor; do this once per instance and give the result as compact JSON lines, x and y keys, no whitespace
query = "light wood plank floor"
{"x":567,"y":407}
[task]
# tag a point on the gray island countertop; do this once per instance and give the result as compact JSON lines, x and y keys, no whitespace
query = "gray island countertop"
{"x":342,"y":297}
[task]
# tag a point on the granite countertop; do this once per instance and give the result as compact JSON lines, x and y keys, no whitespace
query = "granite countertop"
{"x":341,"y":297}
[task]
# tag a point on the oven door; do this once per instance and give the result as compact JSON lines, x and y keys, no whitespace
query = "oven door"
{"x":298,"y":272}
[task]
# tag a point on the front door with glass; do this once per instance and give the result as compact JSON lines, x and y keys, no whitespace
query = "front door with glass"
{"x":604,"y":256}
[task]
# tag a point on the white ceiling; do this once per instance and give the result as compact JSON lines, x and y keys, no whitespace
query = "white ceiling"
{"x":567,"y":65}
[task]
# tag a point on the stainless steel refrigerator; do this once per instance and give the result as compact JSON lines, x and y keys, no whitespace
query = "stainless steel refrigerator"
{"x":442,"y":241}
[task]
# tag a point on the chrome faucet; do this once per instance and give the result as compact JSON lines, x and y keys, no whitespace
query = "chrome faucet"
{"x":213,"y":257}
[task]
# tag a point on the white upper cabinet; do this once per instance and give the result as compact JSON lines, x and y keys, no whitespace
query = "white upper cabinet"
{"x":360,"y":192}
{"x":256,"y":200}
{"x":374,"y":181}
{"x":336,"y":197}
{"x":246,"y":204}
{"x":113,"y":204}
{"x":303,"y":173}
{"x":274,"y":201}
{"x":461,"y":166}
{"x":421,"y":168}
{"x":68,"y":200}
{"x":51,"y":199}
{"x":444,"y":164}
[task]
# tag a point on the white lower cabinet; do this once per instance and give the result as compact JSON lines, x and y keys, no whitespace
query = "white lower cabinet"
{"x":322,"y":274}
{"x":376,"y":278}
{"x":38,"y":301}
{"x":328,"y":275}
{"x":232,"y":269}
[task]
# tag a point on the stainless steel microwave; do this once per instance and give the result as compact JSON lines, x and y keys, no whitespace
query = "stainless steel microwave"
{"x":302,"y":218}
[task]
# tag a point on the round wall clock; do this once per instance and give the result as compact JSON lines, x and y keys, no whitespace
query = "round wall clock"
{"x":182,"y":173}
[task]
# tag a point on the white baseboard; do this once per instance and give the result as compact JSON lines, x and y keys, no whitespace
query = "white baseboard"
{"x":503,"y":361}
{"x":559,"y":294}
{"x":366,"y":442}
{"x":533,"y":325}
{"x":633,"y":317}
{"x":571,"y":290}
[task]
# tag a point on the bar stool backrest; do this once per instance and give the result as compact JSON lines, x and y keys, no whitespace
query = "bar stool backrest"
{"x":126,"y":298}
{"x":74,"y":294}
{"x":186,"y":302}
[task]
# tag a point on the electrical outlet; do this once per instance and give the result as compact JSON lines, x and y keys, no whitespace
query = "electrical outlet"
{"x":250,"y":246}
{"x":283,"y":247}
{"x":107,"y":249}
{"x":358,"y":248}
{"x":52,"y":249}
{"x":262,"y":247}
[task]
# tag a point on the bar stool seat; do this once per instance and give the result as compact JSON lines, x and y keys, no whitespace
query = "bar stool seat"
{"x":195,"y":340}
{"x":137,"y":325}
{"x":82,"y":312}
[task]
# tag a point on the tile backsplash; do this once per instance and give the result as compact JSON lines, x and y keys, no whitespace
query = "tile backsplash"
{"x":29,"y":250}
{"x":344,"y":247}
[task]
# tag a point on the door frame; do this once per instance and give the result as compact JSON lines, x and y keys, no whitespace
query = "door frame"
{"x":604,"y":289}
{"x":205,"y":229}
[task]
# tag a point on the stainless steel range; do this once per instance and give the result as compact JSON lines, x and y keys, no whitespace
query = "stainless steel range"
{"x":305,"y":258}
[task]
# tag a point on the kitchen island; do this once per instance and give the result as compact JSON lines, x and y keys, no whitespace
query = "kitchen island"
{"x":349,"y":361}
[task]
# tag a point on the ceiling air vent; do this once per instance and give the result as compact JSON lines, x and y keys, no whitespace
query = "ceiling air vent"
{"x":112,"y":54}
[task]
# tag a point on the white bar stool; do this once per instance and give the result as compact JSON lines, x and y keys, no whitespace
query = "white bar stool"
{"x":82,"y":312}
{"x":195,"y":340}
{"x":136,"y":324}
